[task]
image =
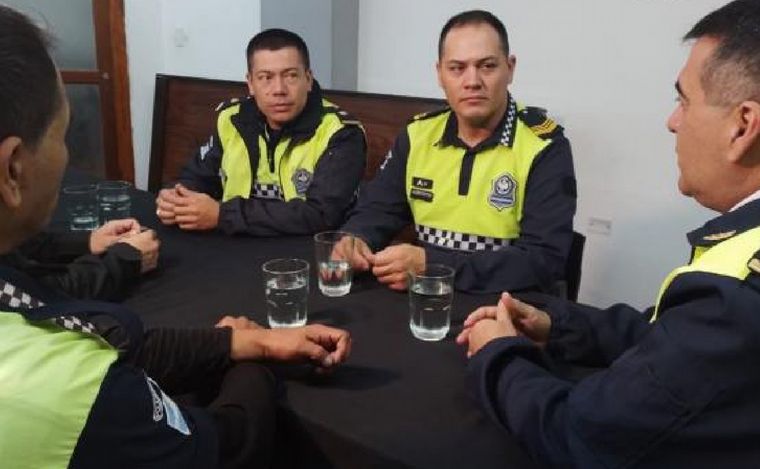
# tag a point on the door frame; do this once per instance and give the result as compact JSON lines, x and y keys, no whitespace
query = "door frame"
{"x":112,"y":79}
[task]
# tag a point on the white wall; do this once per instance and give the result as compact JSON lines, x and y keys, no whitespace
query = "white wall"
{"x":312,"y":20}
{"x":181,"y":37}
{"x":605,"y":69}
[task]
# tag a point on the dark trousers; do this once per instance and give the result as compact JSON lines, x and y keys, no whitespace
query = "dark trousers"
{"x":244,"y":412}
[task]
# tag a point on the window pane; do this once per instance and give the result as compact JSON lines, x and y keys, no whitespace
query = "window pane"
{"x":70,"y":22}
{"x":85,"y":136}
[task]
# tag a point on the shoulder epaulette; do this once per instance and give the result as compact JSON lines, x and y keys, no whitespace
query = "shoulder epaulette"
{"x":541,"y":125}
{"x":345,"y":117}
{"x":429,"y":114}
{"x":229,"y":103}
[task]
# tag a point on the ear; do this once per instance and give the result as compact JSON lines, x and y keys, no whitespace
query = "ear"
{"x":309,"y":78}
{"x":438,"y":71}
{"x":249,"y":82}
{"x":744,"y":131}
{"x":10,"y":171}
{"x":511,"y":65}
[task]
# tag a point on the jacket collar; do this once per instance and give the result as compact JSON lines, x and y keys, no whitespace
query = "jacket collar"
{"x":302,"y":127}
{"x":726,"y":226}
{"x":503,"y":134}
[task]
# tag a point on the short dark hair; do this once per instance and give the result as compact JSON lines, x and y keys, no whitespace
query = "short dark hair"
{"x":29,"y":92}
{"x":732,"y":73}
{"x":276,"y":39}
{"x":475,"y":17}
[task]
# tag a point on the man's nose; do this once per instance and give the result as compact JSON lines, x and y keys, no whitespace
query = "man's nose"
{"x":472,"y":77}
{"x":278,"y":85}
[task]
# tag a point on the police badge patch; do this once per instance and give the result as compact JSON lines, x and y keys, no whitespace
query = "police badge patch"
{"x":503,"y":192}
{"x":302,"y":180}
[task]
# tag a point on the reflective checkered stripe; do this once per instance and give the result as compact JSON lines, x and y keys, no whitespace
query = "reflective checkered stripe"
{"x":15,"y":298}
{"x":459,"y":241}
{"x":12,"y":296}
{"x":267,"y":191}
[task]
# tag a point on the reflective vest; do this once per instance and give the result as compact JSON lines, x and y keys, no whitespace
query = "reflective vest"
{"x":728,"y":258}
{"x":294,"y":163}
{"x":49,"y":380}
{"x":488,"y":216}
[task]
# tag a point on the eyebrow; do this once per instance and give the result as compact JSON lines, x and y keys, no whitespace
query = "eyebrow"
{"x":477,"y":61}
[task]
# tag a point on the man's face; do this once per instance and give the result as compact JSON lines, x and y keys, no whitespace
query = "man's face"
{"x":700,"y":129}
{"x":280,"y":84}
{"x":474,"y":73}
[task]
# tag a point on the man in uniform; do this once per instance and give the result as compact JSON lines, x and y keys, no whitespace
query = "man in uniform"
{"x":681,"y":390}
{"x":82,"y":385}
{"x":282,"y":161}
{"x":488,"y":183}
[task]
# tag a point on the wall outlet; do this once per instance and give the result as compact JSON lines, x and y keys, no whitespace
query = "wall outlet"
{"x":601,"y":226}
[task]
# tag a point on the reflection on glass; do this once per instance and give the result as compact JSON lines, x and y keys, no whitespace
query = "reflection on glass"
{"x":85,"y":137}
{"x":70,"y":22}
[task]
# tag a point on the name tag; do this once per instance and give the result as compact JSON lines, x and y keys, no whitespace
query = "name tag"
{"x":419,"y":194}
{"x":422,"y":183}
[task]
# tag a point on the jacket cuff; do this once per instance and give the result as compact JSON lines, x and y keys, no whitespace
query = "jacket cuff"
{"x":130,"y":260}
{"x":229,"y":216}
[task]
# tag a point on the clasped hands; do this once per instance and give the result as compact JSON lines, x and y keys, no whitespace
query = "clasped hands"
{"x":130,"y":232}
{"x":509,"y":318}
{"x":391,"y":265}
{"x":188,"y":209}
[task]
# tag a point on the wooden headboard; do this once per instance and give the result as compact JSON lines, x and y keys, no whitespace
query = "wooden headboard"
{"x":183,"y":119}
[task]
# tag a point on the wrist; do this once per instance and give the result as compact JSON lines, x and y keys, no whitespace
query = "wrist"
{"x":247,"y":344}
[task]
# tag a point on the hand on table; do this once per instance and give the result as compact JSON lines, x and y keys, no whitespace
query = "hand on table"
{"x":148,"y":244}
{"x":324,"y":346}
{"x":111,"y":233}
{"x":508,"y":318}
{"x":239,"y":322}
{"x":392,"y":265}
{"x":359,"y":257}
{"x":189,"y":209}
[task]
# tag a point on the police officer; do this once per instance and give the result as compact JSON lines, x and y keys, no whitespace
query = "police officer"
{"x":82,"y":385}
{"x":282,"y":161}
{"x":487,"y":182}
{"x":682,"y":390}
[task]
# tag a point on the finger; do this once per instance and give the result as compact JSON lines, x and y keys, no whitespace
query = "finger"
{"x":398,"y":277}
{"x":398,"y":286}
{"x":386,"y":269}
{"x":384,"y":257}
{"x":463,"y":337}
{"x":227,"y":321}
{"x":315,"y":352}
{"x":165,"y":206}
{"x":189,"y":209}
{"x":189,"y":226}
{"x":184,"y":219}
{"x":481,"y":313}
{"x":168,"y":220}
{"x":183,"y":191}
{"x":337,"y":341}
{"x":502,"y":311}
{"x":169,"y":196}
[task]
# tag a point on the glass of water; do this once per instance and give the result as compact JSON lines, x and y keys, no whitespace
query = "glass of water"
{"x":430,"y":295}
{"x":286,"y":285}
{"x":81,"y":203}
{"x":334,"y":273}
{"x":113,"y":200}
